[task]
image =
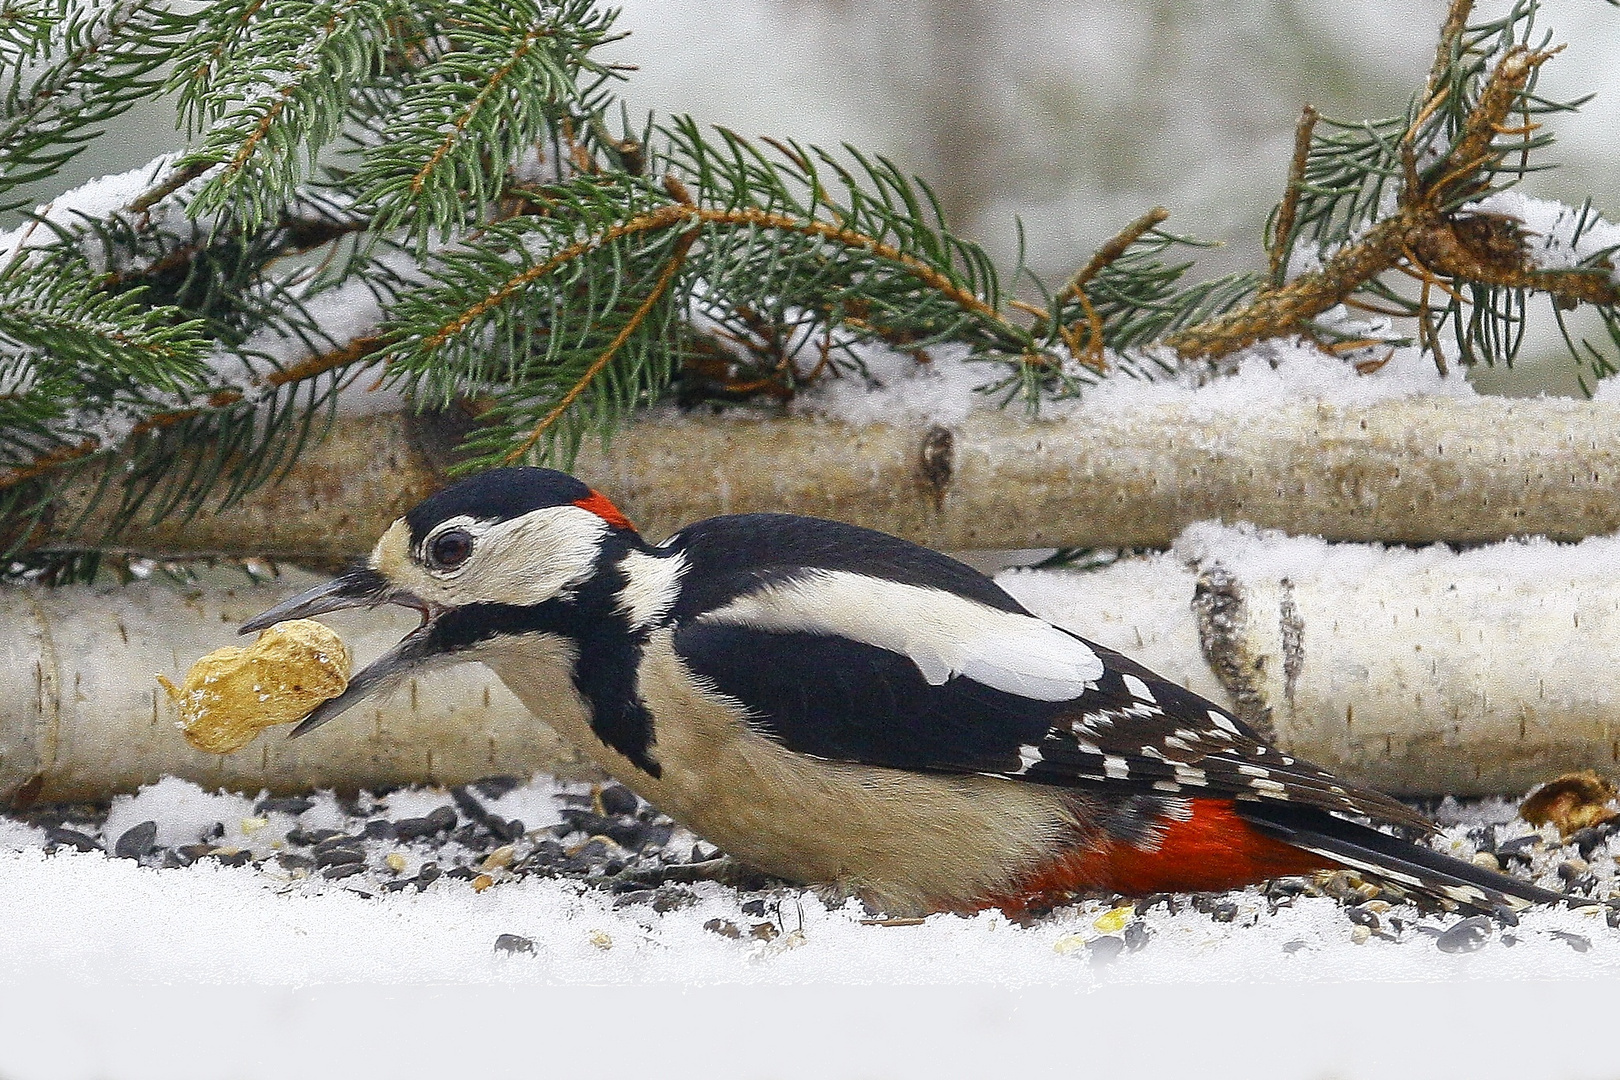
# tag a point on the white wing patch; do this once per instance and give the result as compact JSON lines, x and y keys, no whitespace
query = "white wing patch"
{"x":652,"y":585}
{"x":1138,"y":689}
{"x":943,"y":634}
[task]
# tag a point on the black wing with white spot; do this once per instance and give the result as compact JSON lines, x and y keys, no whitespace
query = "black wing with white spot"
{"x":853,"y":645}
{"x":859,"y":646}
{"x":1135,"y":726}
{"x":843,"y":700}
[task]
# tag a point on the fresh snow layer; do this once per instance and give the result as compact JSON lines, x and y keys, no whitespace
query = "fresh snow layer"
{"x":1486,"y":1030}
{"x":94,"y":200}
{"x":1267,"y":554}
{"x":1551,"y":227}
{"x":111,"y":968}
{"x":85,"y":917}
{"x":897,"y":388}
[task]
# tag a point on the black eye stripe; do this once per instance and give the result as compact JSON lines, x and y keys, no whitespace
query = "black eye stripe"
{"x":449,"y":549}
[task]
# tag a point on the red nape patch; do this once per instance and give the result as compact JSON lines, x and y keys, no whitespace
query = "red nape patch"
{"x":598,"y":504}
{"x":1212,"y":851}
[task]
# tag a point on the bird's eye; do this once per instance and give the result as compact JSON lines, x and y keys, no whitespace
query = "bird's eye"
{"x":450,"y":549}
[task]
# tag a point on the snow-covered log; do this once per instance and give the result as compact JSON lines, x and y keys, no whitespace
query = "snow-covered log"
{"x":1418,"y":671}
{"x":1407,"y":469}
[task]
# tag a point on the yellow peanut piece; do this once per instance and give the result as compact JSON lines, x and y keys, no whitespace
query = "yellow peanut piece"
{"x":232,"y":694}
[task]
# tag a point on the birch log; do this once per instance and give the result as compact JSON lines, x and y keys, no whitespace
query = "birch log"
{"x":1423,"y":672}
{"x":1409,"y":470}
{"x":82,"y":715}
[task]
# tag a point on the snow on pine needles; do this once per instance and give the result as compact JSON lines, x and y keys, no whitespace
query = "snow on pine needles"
{"x":544,"y":881}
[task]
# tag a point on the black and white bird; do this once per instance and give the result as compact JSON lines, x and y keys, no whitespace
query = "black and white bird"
{"x":837,"y":706}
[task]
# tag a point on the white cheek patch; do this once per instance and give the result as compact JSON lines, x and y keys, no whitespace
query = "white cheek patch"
{"x":527,"y":560}
{"x":943,"y":634}
{"x":532,"y":558}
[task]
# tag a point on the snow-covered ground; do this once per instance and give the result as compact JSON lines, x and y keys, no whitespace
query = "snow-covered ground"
{"x":292,"y":962}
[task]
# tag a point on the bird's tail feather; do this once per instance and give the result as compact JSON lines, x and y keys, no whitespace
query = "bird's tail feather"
{"x":1399,"y":861}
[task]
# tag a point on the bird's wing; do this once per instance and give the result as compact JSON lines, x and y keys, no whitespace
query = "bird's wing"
{"x":944,"y":635}
{"x":833,"y":696}
{"x":857,"y":646}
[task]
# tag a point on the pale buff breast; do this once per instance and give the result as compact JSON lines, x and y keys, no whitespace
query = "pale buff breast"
{"x":907,"y":841}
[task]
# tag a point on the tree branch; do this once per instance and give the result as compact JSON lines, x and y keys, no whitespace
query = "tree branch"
{"x":1423,"y":212}
{"x":677,"y":257}
{"x":1283,"y":225}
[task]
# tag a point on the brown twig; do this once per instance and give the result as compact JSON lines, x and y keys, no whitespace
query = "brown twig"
{"x":1090,"y":350}
{"x":1281,"y":311}
{"x":1283,"y":230}
{"x":680,"y":213}
{"x":1338,"y":348}
{"x":1485,"y":248}
{"x":319,"y":364}
{"x":1445,"y":51}
{"x":175,"y":181}
{"x":1374,"y":309}
{"x":1473,"y":148}
{"x":1109,"y":252}
{"x":1092,"y":354}
{"x":465,"y":116}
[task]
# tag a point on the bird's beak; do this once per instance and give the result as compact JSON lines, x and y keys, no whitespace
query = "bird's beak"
{"x":358,"y":588}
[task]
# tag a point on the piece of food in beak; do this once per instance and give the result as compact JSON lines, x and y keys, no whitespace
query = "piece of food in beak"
{"x":232,"y":694}
{"x":361,"y":588}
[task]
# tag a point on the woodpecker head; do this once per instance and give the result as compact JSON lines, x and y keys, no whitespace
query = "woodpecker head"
{"x":481,"y":555}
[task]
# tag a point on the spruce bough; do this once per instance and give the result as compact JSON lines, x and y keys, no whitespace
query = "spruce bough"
{"x":448,"y":198}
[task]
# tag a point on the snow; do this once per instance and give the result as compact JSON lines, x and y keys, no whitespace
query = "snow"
{"x":1264,"y":554}
{"x":84,"y":917}
{"x":1559,"y":237}
{"x":896,"y":388}
{"x":95,"y":199}
{"x":1475,"y":1031}
{"x":1281,"y":370}
{"x":89,"y":918}
{"x":184,"y":812}
{"x":102,"y":198}
{"x":341,"y":314}
{"x":233,"y":965}
{"x":1607,"y":390}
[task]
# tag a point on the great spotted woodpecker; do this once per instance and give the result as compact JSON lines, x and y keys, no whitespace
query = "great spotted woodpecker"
{"x":836,"y":706}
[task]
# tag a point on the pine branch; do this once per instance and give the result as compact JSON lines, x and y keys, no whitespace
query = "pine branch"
{"x":430,"y":195}
{"x":503,"y":76}
{"x":66,"y":68}
{"x":49,"y":307}
{"x":1455,"y":147}
{"x":572,"y":309}
{"x":273,"y":80}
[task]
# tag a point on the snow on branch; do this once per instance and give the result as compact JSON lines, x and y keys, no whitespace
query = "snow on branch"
{"x":1293,"y":441}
